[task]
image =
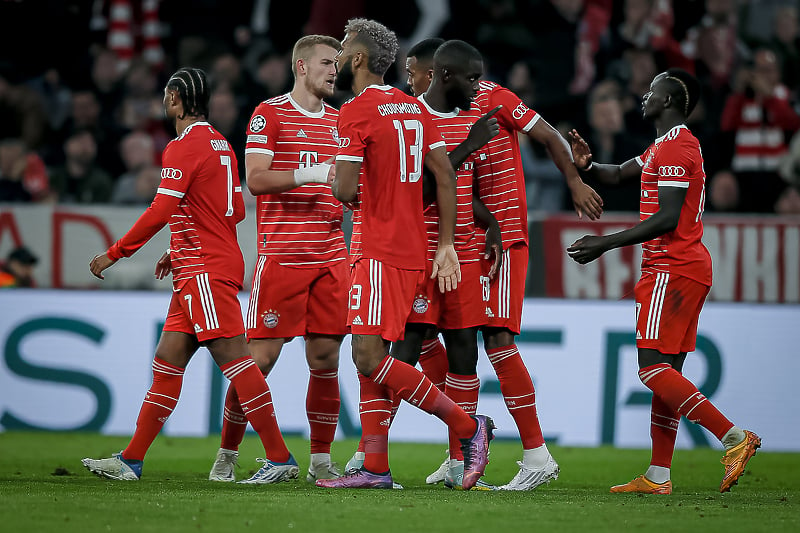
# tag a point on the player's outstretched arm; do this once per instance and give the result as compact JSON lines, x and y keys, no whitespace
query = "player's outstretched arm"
{"x":445,"y":264}
{"x":345,"y":183}
{"x":584,"y":198}
{"x":263,"y":180}
{"x":670,"y":199}
{"x":604,"y":173}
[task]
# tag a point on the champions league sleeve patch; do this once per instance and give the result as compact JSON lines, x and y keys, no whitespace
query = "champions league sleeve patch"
{"x":257,"y":123}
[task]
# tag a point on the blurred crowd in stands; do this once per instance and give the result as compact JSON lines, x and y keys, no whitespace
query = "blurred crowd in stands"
{"x":81,"y":83}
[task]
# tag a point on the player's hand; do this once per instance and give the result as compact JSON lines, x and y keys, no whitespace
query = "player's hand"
{"x":163,"y":266}
{"x":446,"y":268}
{"x":331,"y":171}
{"x":581,"y":153}
{"x":483,"y":129}
{"x":587,"y":249}
{"x":100,"y":263}
{"x":586,"y":200}
{"x":494,"y":248}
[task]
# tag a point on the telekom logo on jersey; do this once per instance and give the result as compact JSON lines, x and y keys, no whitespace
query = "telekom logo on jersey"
{"x":171,"y":173}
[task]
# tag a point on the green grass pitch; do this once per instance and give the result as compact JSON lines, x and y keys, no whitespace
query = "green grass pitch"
{"x":43,"y":487}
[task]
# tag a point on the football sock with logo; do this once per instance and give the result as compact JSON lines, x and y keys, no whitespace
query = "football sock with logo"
{"x":464,"y":391}
{"x":234,"y":423}
{"x":256,"y":402}
{"x":158,"y":404}
{"x":663,"y":432}
{"x":374,"y":409}
{"x":322,"y":408}
{"x":682,"y":396}
{"x":433,"y":360}
{"x":412,"y":386}
{"x":518,"y":393}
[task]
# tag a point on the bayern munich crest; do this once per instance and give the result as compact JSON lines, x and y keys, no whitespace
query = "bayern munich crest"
{"x":421,"y":304}
{"x":335,"y":134}
{"x":271,"y":319}
{"x":257,"y":123}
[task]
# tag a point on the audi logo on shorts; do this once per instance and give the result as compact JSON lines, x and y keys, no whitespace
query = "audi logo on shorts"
{"x":671,"y":171}
{"x":171,"y":173}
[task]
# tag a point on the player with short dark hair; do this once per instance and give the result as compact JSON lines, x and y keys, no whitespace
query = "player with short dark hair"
{"x":200,"y":197}
{"x":676,"y":277}
{"x":385,"y":139}
{"x":419,"y":64}
{"x":301,"y":277}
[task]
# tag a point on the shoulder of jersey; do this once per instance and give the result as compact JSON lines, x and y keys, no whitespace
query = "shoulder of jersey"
{"x":487,"y":85}
{"x":329,"y":108}
{"x":277,"y":100}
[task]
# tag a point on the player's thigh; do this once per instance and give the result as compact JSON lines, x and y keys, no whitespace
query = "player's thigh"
{"x":176,"y":347}
{"x":506,"y":292}
{"x":667,"y":311}
{"x":380,"y":299}
{"x":278,"y":300}
{"x":464,"y":307}
{"x":326,"y":312}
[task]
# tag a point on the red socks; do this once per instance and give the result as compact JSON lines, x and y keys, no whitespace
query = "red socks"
{"x":518,"y":393}
{"x":433,"y":360}
{"x":322,"y":408}
{"x":663,"y":432}
{"x":234,"y":423}
{"x":412,"y":386}
{"x":680,"y":395}
{"x":256,"y":402}
{"x":463,"y":390}
{"x":158,"y":404}
{"x":375,"y":409}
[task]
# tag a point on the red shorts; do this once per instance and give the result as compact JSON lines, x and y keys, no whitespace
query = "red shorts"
{"x":667,"y":309}
{"x":458,"y":309}
{"x":207,"y":308}
{"x":380,"y":299}
{"x":506,"y":291}
{"x":288,"y":302}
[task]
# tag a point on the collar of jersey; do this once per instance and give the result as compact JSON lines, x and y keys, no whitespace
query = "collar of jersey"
{"x":378,"y":87}
{"x":306,"y":112}
{"x":679,"y":126}
{"x":192,"y":125}
{"x":435,"y":113}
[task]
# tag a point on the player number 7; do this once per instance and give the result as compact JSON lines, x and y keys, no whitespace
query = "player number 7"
{"x":225,"y":160}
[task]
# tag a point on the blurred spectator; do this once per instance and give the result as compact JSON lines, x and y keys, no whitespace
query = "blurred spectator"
{"x":788,"y":202}
{"x":138,"y":187}
{"x":610,"y":141}
{"x":17,"y":270}
{"x":224,"y":115}
{"x":789,"y":167}
{"x":272,"y":75}
{"x":634,"y":71}
{"x":785,"y":42}
{"x":138,"y":151}
{"x":723,"y":192}
{"x":79,"y":179}
{"x":55,"y":96}
{"x":21,"y":113}
{"x":227,"y":73}
{"x":759,"y":116}
{"x":23,"y":174}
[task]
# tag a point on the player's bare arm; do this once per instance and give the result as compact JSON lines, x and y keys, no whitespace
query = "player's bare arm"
{"x":481,"y":132}
{"x":584,"y":198}
{"x":163,"y":266}
{"x":670,"y":199}
{"x":445,"y":264}
{"x":494,"y":242}
{"x":345,"y":183}
{"x":261,"y":179}
{"x":603,"y":173}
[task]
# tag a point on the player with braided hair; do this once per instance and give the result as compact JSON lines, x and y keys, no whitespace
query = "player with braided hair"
{"x":676,"y":277}
{"x":200,"y":197}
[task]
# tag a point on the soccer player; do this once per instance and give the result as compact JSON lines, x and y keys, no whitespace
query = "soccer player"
{"x":201,"y":199}
{"x":385,"y":137}
{"x":675,"y":280}
{"x":302,"y":276}
{"x":502,"y":188}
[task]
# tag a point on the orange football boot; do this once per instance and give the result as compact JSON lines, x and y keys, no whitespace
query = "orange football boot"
{"x":643,"y":485}
{"x":736,"y":459}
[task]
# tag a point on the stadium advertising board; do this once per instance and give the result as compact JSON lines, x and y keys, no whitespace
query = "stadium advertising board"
{"x":80,"y":360}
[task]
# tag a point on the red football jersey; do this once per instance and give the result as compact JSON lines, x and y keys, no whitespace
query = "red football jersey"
{"x":301,"y":227}
{"x":201,"y":197}
{"x":454,"y":127}
{"x":388,"y":132}
{"x":675,"y":160}
{"x":501,"y":186}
